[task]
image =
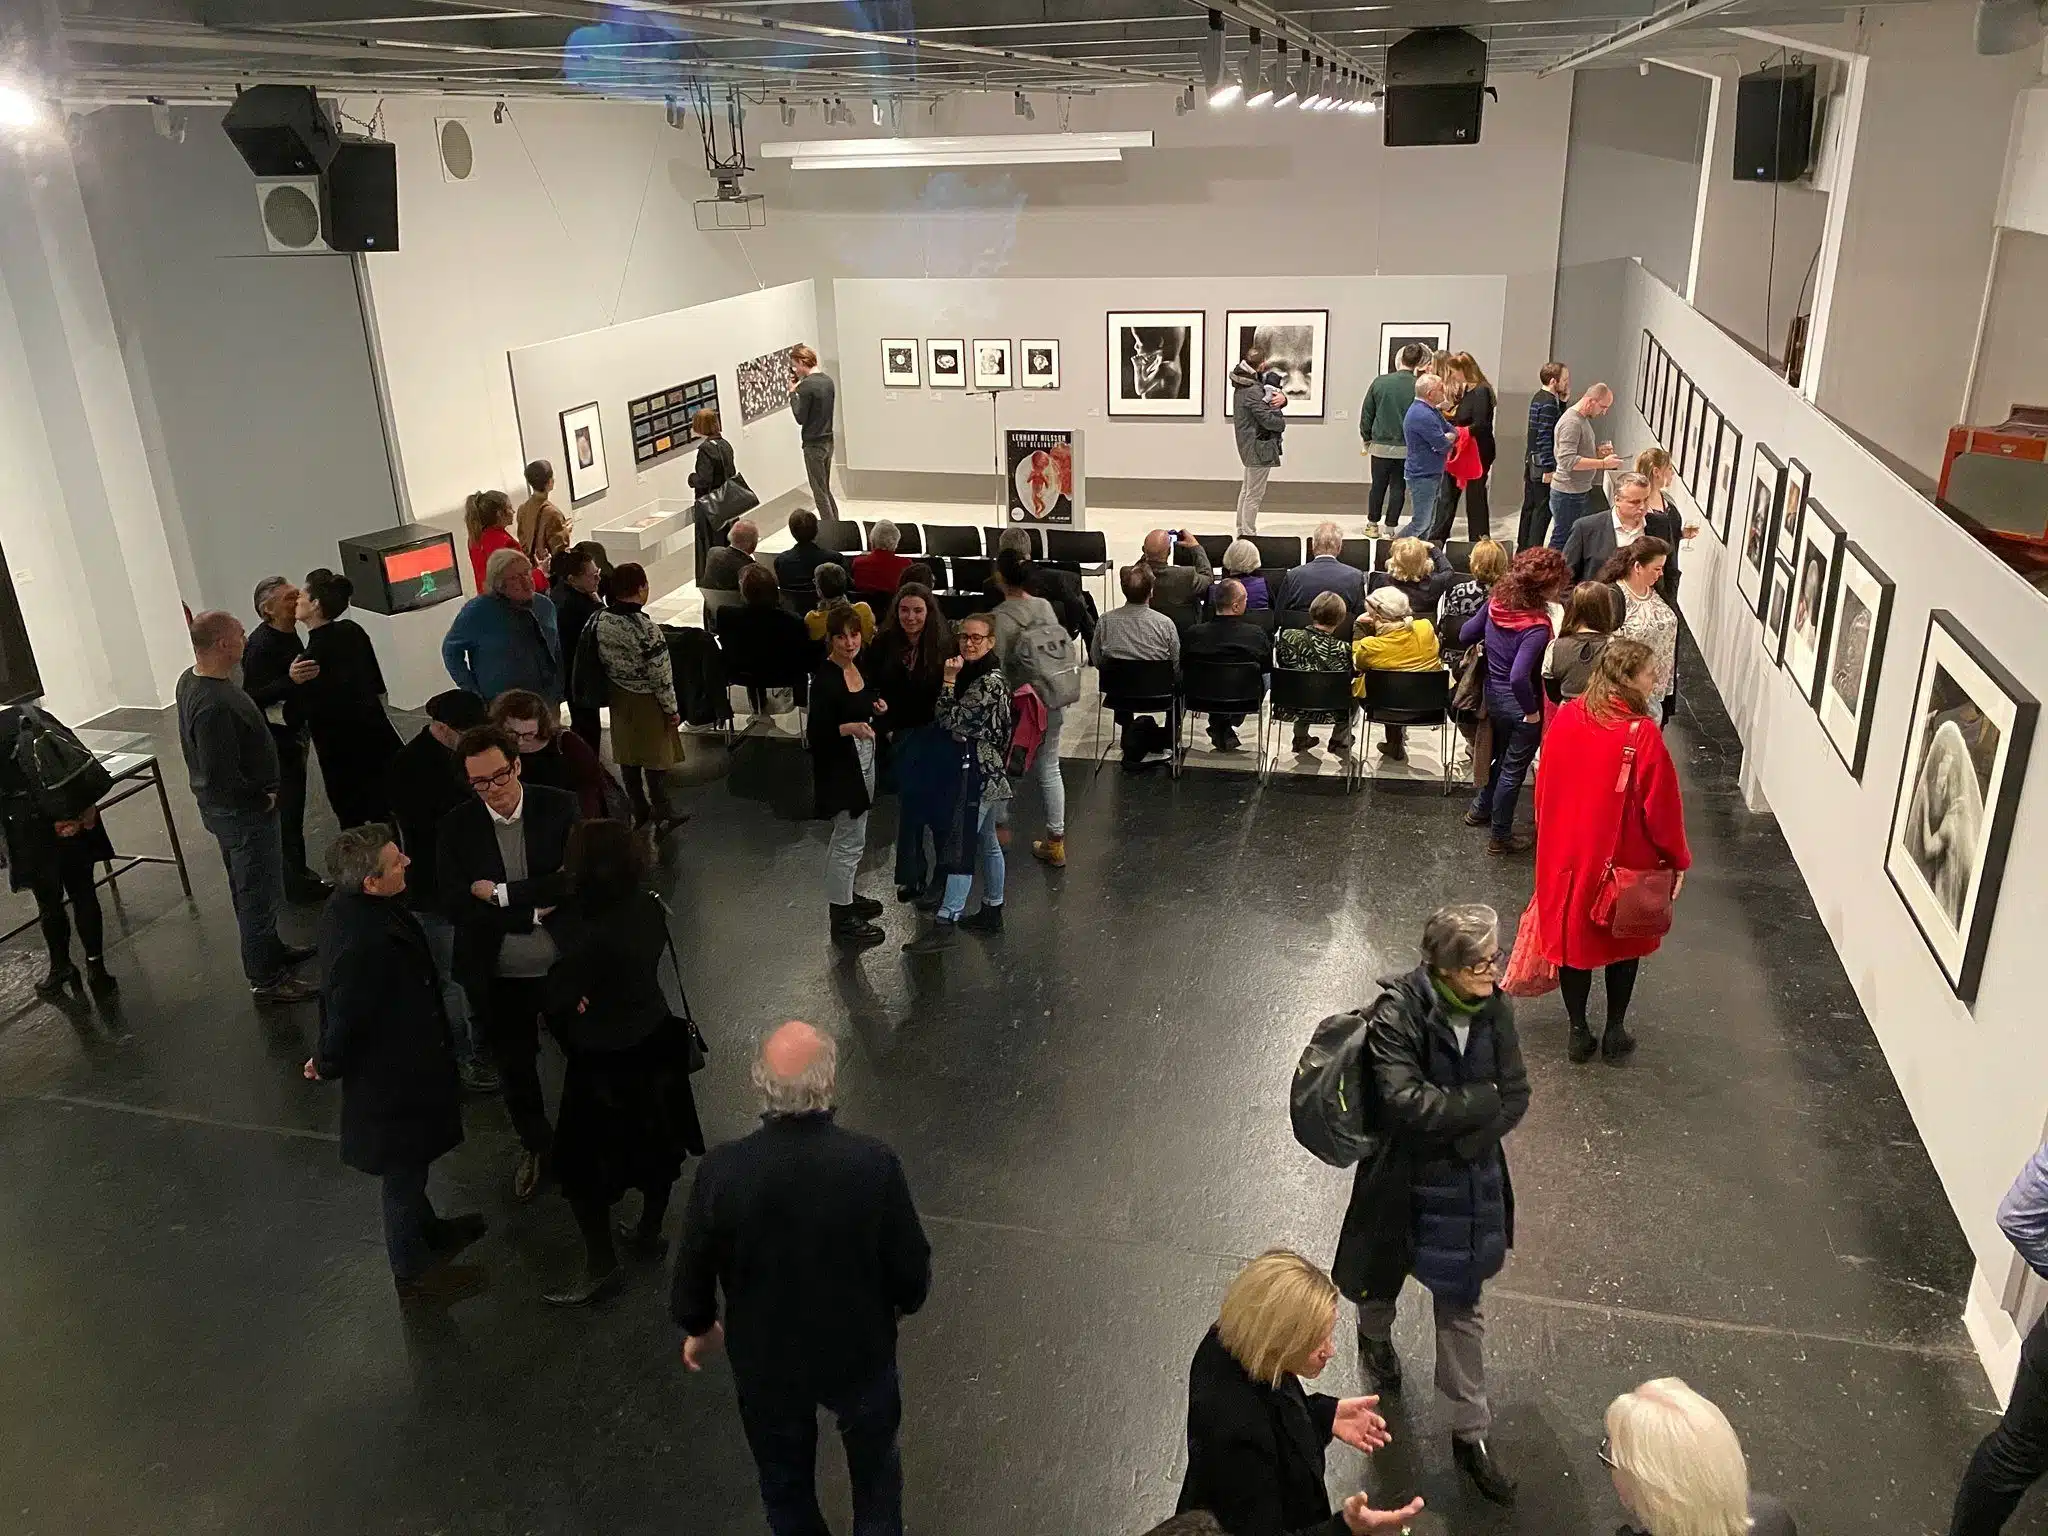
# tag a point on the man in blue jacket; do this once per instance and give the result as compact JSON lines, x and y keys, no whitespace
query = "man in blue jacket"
{"x":505,"y":636}
{"x":1430,"y":438}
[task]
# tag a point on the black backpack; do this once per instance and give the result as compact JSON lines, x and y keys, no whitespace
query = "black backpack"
{"x":63,"y":778}
{"x":1334,"y":1102}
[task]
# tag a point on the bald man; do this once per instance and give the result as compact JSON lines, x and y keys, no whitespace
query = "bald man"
{"x":1174,"y":585}
{"x":809,"y":1231}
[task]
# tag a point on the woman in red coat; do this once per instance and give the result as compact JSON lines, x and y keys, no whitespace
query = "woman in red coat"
{"x":1585,"y":820}
{"x":487,"y":518}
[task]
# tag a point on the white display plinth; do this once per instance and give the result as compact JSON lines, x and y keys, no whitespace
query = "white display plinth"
{"x":645,"y":527}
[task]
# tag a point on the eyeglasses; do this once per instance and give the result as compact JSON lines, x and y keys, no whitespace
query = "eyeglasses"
{"x":496,"y":780}
{"x":1492,"y":962}
{"x":975,"y":637}
{"x":529,"y":732}
{"x":1606,"y":1454}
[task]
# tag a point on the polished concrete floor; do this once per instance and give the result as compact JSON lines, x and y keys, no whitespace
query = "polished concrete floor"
{"x":200,"y":1334}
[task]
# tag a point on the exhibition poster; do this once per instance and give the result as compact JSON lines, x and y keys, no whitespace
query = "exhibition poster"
{"x":1045,"y":479}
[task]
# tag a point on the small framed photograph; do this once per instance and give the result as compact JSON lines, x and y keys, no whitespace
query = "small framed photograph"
{"x":899,"y":363}
{"x":1815,"y":569}
{"x":1759,"y":526}
{"x":1855,"y":655}
{"x":1791,"y":506}
{"x":1397,"y":335}
{"x":583,"y":452}
{"x":1041,"y":364}
{"x":1780,"y":610}
{"x":946,"y":364}
{"x":992,"y":365}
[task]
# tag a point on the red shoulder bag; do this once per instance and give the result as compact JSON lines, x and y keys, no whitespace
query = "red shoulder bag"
{"x":1633,"y":903}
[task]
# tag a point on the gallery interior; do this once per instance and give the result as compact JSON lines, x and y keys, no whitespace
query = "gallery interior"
{"x":256,"y":331}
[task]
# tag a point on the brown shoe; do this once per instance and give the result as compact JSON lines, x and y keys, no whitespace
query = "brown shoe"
{"x":1507,"y":847}
{"x":445,"y":1283}
{"x":1051,"y":850}
{"x":526,"y":1177}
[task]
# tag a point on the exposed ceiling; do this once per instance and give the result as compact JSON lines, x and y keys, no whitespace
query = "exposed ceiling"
{"x":802,"y":49}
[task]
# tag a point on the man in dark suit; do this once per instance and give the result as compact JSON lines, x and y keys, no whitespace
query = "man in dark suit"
{"x":499,"y":856}
{"x":1594,"y":540}
{"x":1323,"y":573}
{"x":1230,"y":636}
{"x":384,"y":1036}
{"x":796,"y":568}
{"x":810,"y":1232}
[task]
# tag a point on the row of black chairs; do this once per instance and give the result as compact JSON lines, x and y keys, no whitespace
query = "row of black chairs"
{"x":1082,"y":549}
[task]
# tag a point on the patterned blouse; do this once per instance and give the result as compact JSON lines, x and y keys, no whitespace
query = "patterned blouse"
{"x":1460,"y":603}
{"x":979,"y":715}
{"x":1310,"y":650}
{"x":1650,"y":620}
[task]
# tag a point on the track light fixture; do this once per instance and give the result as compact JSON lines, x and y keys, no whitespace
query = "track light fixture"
{"x":1251,"y":74}
{"x":1024,"y":109}
{"x":1222,"y":92}
{"x":1312,"y":99}
{"x":788,"y":112}
{"x":1291,"y":82}
{"x":875,"y":103}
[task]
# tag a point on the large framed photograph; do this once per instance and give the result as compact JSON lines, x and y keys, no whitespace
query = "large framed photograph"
{"x":583,"y":452}
{"x":1971,"y":729}
{"x":765,"y":383}
{"x":992,"y":365}
{"x":1155,"y":362}
{"x":1294,"y":343}
{"x":1397,"y":335}
{"x":1727,"y":477}
{"x":1855,"y":656}
{"x":899,"y":363}
{"x":1815,"y":569}
{"x":945,"y":364}
{"x":1041,"y":364}
{"x":1780,"y":612}
{"x":1759,"y":524}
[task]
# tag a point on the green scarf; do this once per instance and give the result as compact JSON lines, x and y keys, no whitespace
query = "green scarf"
{"x":1451,"y":999}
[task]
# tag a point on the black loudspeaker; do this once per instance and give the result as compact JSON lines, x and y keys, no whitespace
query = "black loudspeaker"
{"x":359,"y":196}
{"x":1774,"y":123}
{"x":281,"y":131}
{"x":1436,"y":84}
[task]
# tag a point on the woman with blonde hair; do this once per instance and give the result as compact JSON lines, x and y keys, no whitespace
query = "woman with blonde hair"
{"x":1661,"y":519}
{"x":487,"y":518}
{"x":1678,"y":1468}
{"x":1421,"y":572}
{"x":1245,"y":1396}
{"x":1475,"y":410}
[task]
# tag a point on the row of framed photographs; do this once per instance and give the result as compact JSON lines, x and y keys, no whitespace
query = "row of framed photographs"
{"x":1826,"y":608}
{"x":1705,"y":447}
{"x":991,"y":364}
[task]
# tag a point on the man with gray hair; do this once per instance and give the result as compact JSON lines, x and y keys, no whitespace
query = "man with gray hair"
{"x":809,"y":1231}
{"x":1594,"y":541}
{"x":1323,"y":573}
{"x":1429,"y":438}
{"x":275,"y":670}
{"x":506,"y":636}
{"x":723,"y":565}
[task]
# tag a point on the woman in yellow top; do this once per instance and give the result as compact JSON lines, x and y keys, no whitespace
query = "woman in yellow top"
{"x":833,"y":586}
{"x":1389,"y":638}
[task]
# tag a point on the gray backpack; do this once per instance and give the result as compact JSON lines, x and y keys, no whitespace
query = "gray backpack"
{"x":1046,"y":657}
{"x":1333,"y":1102}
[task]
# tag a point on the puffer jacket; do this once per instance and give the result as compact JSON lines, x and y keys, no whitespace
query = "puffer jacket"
{"x":1259,"y":426}
{"x":1437,"y":1202}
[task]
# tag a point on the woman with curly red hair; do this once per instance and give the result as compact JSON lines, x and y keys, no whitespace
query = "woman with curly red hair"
{"x":1515,"y":627}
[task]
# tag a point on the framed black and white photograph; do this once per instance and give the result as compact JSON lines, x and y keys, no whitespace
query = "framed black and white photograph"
{"x":1688,"y":402}
{"x":1646,"y":355}
{"x":1398,"y":334}
{"x":583,"y":452}
{"x":1970,"y":732}
{"x":1293,"y":343}
{"x":1780,"y":611}
{"x":992,"y":364}
{"x":1155,"y":362}
{"x":899,"y":363}
{"x":1759,"y":525}
{"x":1041,"y":368}
{"x":1791,"y":505}
{"x":1855,"y":655}
{"x":1653,"y":406}
{"x":1675,"y":384}
{"x":1814,"y":571}
{"x":1706,"y":469}
{"x":1727,"y":478}
{"x":945,"y":364}
{"x":1696,"y":443}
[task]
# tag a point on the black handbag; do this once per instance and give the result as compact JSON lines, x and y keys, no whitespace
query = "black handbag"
{"x":695,"y":1051}
{"x":731,"y":501}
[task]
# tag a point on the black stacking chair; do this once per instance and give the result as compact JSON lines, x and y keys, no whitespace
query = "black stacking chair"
{"x":1213,"y":545}
{"x":992,"y":539}
{"x":842,"y":538}
{"x":1274,"y":576}
{"x":1135,"y":687}
{"x":1085,"y":549}
{"x":1459,"y":553}
{"x":1303,"y":692}
{"x":970,"y":573}
{"x":878,"y":603}
{"x":910,"y":542}
{"x":1220,"y":688}
{"x":799,"y":597}
{"x":1290,"y":618}
{"x":951,"y":539}
{"x":787,"y":665}
{"x":957,"y":605}
{"x":1277,"y":549}
{"x":1357,"y":553}
{"x":1381,"y":548}
{"x":1410,"y":698}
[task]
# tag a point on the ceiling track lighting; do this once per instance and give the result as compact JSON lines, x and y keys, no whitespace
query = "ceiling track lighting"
{"x":1291,"y":83}
{"x":1251,"y":74}
{"x":1222,"y":91}
{"x":1024,"y":109}
{"x":788,"y":112}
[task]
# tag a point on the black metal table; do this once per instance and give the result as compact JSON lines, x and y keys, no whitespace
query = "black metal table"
{"x":134,"y":773}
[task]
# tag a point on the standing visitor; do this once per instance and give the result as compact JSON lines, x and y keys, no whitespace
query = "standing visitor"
{"x":1644,"y":615}
{"x":1594,"y":540}
{"x":1382,"y":423}
{"x":910,"y":656}
{"x":1011,"y":623}
{"x":549,"y":755}
{"x":1539,"y":465}
{"x":1437,"y":1203}
{"x":1588,"y":626}
{"x":1678,"y":1468}
{"x":487,"y":516}
{"x":542,"y":527}
{"x":1476,"y":404}
{"x":1259,"y":420}
{"x":646,"y":736}
{"x":1580,"y":457}
{"x":811,"y":398}
{"x":1607,"y":802}
{"x":274,"y":670}
{"x":1430,"y":438}
{"x":53,"y":856}
{"x":344,"y":703}
{"x":575,"y":597}
{"x":628,"y":1117}
{"x":974,"y":709}
{"x":715,"y":466}
{"x":385,"y":1037}
{"x":845,"y":704}
{"x":1516,"y":629}
{"x":231,"y":764}
{"x":1256,"y":1440}
{"x":506,"y":636}
{"x":1662,"y":518}
{"x":809,"y":1231}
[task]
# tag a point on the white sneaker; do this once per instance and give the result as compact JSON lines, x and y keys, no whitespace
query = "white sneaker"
{"x":1375,"y":531}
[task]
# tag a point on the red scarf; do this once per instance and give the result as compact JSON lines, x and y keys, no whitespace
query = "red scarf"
{"x":1515,"y":618}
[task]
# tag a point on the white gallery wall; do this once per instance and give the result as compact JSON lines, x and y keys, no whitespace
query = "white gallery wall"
{"x":1972,"y":1074}
{"x":2014,"y":367}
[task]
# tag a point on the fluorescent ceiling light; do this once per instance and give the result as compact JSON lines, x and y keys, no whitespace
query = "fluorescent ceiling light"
{"x":957,"y":149}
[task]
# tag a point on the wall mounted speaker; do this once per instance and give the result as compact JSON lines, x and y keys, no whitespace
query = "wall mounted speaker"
{"x":290,"y":213}
{"x":359,"y":196}
{"x":280,"y":130}
{"x":1436,"y":85}
{"x":1774,"y":123}
{"x":458,"y":153}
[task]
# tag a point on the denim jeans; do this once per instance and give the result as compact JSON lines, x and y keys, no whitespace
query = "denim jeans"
{"x":1566,"y":508}
{"x":409,"y":1222}
{"x":1514,"y":749}
{"x":254,"y":855}
{"x":782,"y":1432}
{"x":469,"y":1050}
{"x":849,"y":837}
{"x":992,"y":868}
{"x":1422,"y":494}
{"x":1045,"y":769}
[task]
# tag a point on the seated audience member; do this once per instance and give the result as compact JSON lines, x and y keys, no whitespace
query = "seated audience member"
{"x":548,"y":754}
{"x":764,"y":639}
{"x":1138,"y":632}
{"x":795,"y":566}
{"x":881,"y":568}
{"x":576,"y":600}
{"x":1488,"y":564}
{"x":1589,"y":623}
{"x":1324,"y":573}
{"x":723,"y":565}
{"x":1178,"y":587}
{"x":835,"y":586}
{"x":1389,"y":638}
{"x":1319,"y":648}
{"x":920,"y":571}
{"x":1678,"y":1467}
{"x":1421,"y":573}
{"x":1241,"y":564}
{"x":506,"y":636}
{"x":1063,"y":589}
{"x":1230,"y":636}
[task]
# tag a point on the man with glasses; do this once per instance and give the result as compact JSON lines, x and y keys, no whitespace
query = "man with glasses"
{"x":1594,"y":541}
{"x":499,"y":857}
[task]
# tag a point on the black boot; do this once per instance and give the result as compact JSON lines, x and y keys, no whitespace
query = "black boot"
{"x":587,"y":1289}
{"x":849,"y":927}
{"x":1582,"y":1044}
{"x":1616,"y":1043}
{"x":1487,"y":1474}
{"x":866,"y":906}
{"x":99,"y":979}
{"x":984,"y":919}
{"x":938,"y":936}
{"x":1382,"y":1365}
{"x":63,"y":974}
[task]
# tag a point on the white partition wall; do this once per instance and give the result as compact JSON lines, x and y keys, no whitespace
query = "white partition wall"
{"x":1975,"y":1075}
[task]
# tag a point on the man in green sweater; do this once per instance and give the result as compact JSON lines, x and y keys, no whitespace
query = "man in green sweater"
{"x":1379,"y":424}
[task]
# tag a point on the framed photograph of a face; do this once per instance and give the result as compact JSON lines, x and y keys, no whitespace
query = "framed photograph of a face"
{"x":992,"y":365}
{"x":1790,"y":506}
{"x":1759,"y":523}
{"x":1395,"y":335}
{"x":1854,"y":656}
{"x":899,"y":363}
{"x":1041,"y":364}
{"x":1293,"y":343}
{"x":945,"y":364}
{"x":1695,"y":448}
{"x":1155,"y":362}
{"x":1646,"y":355}
{"x":1780,"y":610}
{"x":1727,"y":477}
{"x":1815,"y":569}
{"x":583,"y":452}
{"x":1967,"y":743}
